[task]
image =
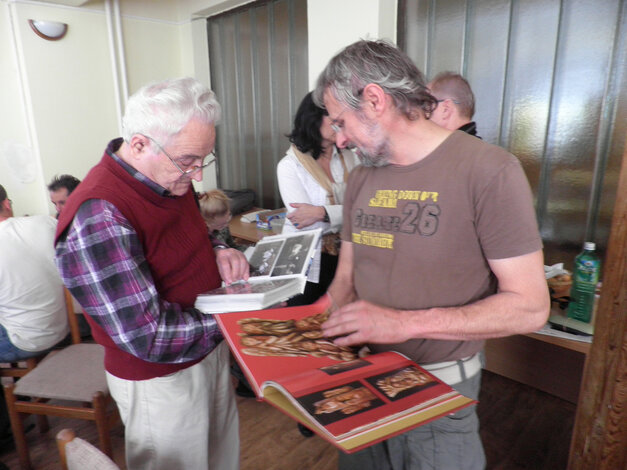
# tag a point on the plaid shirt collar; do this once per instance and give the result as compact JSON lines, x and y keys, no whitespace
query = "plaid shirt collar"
{"x":113,"y":147}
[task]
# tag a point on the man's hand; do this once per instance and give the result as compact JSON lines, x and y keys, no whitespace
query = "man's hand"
{"x":232,"y":264}
{"x":305,"y":214}
{"x":363,"y":322}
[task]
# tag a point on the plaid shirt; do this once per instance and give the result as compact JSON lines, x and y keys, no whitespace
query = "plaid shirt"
{"x":102,"y":263}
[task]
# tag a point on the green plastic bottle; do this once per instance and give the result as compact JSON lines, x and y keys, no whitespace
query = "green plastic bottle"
{"x":585,"y":279}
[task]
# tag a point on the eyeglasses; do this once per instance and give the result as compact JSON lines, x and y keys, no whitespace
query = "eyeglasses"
{"x":444,"y":99}
{"x":186,"y":161}
{"x":336,"y":125}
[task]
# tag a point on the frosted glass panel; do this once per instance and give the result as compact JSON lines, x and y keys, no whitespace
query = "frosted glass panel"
{"x":258,"y":60}
{"x":550,"y":81}
{"x":486,"y":66}
{"x":449,"y":17}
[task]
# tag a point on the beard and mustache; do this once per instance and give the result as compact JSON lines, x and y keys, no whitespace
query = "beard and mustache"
{"x":376,"y":153}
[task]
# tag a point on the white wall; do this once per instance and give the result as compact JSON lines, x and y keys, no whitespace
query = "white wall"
{"x":333,"y":25}
{"x":20,"y":171}
{"x":61,"y":100}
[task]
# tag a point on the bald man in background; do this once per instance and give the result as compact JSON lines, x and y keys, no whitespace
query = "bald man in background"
{"x":456,"y":103}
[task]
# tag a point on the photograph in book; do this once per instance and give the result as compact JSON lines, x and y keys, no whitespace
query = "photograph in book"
{"x":278,"y":272}
{"x":293,"y":255}
{"x":350,"y":398}
{"x":263,"y":258}
{"x":284,"y":255}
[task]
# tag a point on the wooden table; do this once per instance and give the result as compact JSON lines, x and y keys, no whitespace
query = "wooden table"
{"x":548,"y":363}
{"x":247,"y":232}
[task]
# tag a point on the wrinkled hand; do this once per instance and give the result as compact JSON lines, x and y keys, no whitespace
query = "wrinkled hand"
{"x":305,"y":214}
{"x":233,"y":265}
{"x":363,"y":322}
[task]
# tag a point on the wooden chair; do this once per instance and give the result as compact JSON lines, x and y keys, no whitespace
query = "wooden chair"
{"x":21,"y":368}
{"x":78,"y":454}
{"x":74,"y":374}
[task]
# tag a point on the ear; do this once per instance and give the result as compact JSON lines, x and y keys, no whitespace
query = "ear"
{"x":137,"y":145}
{"x":374,"y":100}
{"x":5,"y":208}
{"x":445,"y":112}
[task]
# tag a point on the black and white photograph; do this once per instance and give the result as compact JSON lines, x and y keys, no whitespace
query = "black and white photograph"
{"x":293,"y":255}
{"x":263,"y":258}
{"x":278,"y":270}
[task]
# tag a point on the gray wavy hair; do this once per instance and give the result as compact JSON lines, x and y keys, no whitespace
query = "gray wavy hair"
{"x":381,"y":63}
{"x":161,"y":109}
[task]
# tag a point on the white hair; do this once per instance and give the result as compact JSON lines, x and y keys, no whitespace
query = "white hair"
{"x":161,"y":109}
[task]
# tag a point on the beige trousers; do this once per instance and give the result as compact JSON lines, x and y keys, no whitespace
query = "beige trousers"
{"x":187,"y":420}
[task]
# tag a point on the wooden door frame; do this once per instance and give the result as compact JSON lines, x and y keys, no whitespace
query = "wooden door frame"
{"x":599,"y":440}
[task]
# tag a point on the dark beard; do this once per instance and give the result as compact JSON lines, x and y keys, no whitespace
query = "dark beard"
{"x":375,"y":160}
{"x":381,"y":155}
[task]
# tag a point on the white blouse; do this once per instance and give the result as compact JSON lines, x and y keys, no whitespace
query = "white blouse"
{"x":296,"y":185}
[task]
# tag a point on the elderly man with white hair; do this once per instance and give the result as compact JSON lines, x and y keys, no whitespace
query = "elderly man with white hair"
{"x":133,"y":249}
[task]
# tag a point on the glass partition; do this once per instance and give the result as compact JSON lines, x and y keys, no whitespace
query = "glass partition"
{"x":550,"y":82}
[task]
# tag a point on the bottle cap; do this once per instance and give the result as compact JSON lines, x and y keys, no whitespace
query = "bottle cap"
{"x":589,"y":246}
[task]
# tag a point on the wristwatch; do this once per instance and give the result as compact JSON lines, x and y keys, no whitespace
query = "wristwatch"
{"x":326,"y":216}
{"x":220,"y":247}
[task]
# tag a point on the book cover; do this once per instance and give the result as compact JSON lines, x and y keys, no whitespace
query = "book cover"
{"x":278,"y":271}
{"x":349,"y":399}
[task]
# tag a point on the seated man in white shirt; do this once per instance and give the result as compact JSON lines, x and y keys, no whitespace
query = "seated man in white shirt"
{"x":33,"y":316}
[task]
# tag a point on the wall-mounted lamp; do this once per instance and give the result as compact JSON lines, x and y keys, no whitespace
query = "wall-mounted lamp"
{"x":50,"y":30}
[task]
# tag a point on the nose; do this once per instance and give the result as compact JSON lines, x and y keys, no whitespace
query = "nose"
{"x":197,"y":176}
{"x":340,"y":139}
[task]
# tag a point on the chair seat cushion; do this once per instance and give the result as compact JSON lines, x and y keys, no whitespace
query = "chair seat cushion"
{"x":74,"y":373}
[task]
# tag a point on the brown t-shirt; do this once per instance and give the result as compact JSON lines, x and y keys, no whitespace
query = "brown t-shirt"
{"x":422,"y":233}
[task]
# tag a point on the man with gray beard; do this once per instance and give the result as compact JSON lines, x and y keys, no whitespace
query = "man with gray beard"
{"x":440,"y":246}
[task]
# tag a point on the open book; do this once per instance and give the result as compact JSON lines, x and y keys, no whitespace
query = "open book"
{"x":351,"y":401}
{"x":278,"y":271}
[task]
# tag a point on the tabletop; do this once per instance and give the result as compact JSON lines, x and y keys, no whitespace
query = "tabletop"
{"x":247,"y":231}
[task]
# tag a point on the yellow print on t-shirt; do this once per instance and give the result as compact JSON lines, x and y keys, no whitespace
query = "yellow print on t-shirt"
{"x":379,"y":240}
{"x":384,"y":198}
{"x":389,"y":197}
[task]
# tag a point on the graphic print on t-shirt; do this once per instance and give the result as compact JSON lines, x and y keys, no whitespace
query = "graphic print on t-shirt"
{"x":419,"y":215}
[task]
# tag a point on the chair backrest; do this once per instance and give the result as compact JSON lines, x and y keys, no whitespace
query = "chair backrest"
{"x":78,"y":454}
{"x":71,"y":317}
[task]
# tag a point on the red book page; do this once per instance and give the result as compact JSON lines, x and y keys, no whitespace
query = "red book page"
{"x":354,"y":394}
{"x":339,"y":390}
{"x":270,"y":344}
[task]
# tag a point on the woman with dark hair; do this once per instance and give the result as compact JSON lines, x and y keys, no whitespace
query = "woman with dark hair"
{"x":312,"y":178}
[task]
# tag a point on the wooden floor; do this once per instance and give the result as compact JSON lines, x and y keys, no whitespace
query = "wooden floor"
{"x":522,"y":428}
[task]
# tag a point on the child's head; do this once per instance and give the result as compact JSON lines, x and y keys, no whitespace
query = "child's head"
{"x":214,"y":207}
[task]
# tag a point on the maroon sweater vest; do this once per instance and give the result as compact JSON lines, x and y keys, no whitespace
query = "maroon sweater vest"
{"x":175,"y":242}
